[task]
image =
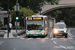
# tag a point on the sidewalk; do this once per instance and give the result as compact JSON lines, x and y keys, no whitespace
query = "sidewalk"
{"x":11,"y":34}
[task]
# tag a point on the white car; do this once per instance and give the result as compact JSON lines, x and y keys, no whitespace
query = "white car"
{"x":60,"y":29}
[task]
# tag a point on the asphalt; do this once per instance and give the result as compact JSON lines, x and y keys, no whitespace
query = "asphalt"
{"x":46,"y":43}
{"x":73,"y":32}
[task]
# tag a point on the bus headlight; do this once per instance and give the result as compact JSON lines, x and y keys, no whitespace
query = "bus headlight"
{"x":65,"y":31}
{"x":28,"y":33}
{"x":42,"y":33}
{"x":55,"y":31}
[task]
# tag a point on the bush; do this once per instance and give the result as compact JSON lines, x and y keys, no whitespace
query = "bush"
{"x":4,"y":28}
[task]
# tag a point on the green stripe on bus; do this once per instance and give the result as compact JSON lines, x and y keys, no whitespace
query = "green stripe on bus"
{"x":35,"y":34}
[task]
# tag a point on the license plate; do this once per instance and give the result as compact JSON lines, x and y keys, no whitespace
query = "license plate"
{"x":35,"y":34}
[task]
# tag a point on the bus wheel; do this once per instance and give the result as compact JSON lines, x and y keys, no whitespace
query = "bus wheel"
{"x":43,"y":36}
{"x":27,"y":37}
{"x":46,"y":35}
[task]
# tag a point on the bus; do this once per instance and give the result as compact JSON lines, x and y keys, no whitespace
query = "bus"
{"x":36,"y":25}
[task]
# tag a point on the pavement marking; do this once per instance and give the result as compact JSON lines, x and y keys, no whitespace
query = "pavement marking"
{"x":22,"y":38}
{"x":70,"y":38}
{"x":11,"y":38}
{"x":53,"y":38}
{"x":70,"y":33}
{"x":66,"y":38}
{"x":34,"y":38}
{"x":67,"y":47}
{"x":62,"y":38}
{"x":38,"y":38}
{"x":54,"y":42}
{"x":46,"y":38}
{"x":1,"y":42}
{"x":62,"y":46}
{"x":30,"y":38}
{"x":51,"y":34}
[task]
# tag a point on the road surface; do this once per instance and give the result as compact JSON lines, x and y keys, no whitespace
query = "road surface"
{"x":46,"y":43}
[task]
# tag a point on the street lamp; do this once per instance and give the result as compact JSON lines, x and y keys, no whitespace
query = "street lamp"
{"x":40,"y":7}
{"x":29,"y":3}
{"x":8,"y":19}
{"x":17,"y":13}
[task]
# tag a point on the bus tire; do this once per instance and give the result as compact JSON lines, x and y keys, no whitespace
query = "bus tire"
{"x":43,"y":36}
{"x":46,"y":34}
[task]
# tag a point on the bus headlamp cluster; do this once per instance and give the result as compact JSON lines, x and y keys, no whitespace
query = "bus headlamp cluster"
{"x":42,"y":33}
{"x":28,"y":33}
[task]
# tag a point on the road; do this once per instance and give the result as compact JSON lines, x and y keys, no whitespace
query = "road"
{"x":46,"y":43}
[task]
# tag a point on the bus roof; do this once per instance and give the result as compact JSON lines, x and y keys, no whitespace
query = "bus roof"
{"x":38,"y":16}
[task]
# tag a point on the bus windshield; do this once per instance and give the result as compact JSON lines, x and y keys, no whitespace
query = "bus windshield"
{"x":35,"y":25}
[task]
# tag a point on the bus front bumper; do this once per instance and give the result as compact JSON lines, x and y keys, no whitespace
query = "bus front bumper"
{"x":35,"y":34}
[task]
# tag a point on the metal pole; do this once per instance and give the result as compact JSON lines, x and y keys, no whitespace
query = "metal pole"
{"x":8,"y":19}
{"x":40,"y":8}
{"x":29,"y":3}
{"x":16,"y":11}
{"x":16,"y":25}
{"x":16,"y":1}
{"x":24,"y":23}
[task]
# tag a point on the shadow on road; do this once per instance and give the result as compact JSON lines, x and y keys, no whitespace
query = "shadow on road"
{"x":35,"y":37}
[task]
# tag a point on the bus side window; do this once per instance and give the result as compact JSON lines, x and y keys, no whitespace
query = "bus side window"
{"x":45,"y":23}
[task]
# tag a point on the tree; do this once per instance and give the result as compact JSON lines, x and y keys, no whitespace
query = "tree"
{"x":66,"y":14}
{"x":33,"y":4}
{"x":23,"y":12}
{"x":26,"y":12}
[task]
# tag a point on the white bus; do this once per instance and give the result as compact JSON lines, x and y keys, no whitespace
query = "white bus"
{"x":36,"y":25}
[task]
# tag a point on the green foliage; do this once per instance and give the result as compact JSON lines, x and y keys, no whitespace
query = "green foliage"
{"x":33,"y":4}
{"x":52,"y":1}
{"x":66,"y":14}
{"x":13,"y":13}
{"x":56,"y":13}
{"x":26,"y":12}
{"x":23,"y":12}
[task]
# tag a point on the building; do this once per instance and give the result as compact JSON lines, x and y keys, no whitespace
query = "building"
{"x":3,"y":17}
